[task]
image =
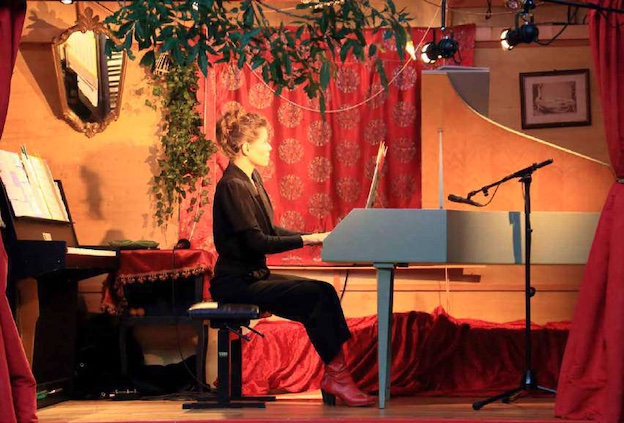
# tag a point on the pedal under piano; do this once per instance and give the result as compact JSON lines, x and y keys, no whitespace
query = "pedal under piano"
{"x":46,"y":264}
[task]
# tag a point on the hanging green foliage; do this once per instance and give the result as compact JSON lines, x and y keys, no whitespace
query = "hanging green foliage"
{"x":183,"y":159}
{"x":206,"y":32}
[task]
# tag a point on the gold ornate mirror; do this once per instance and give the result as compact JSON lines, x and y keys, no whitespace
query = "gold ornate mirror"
{"x":90,"y":83}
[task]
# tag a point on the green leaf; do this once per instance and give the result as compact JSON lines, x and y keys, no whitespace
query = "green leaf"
{"x":148,"y":59}
{"x":256,"y":62}
{"x":138,"y":30}
{"x":350,"y":44}
{"x":128,"y":41}
{"x":325,"y":74}
{"x":203,"y":64}
{"x":248,"y":17}
{"x":372,"y":50}
{"x":125,"y":28}
{"x":299,"y":32}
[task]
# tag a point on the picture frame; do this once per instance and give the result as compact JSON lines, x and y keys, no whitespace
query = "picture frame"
{"x":555,"y":99}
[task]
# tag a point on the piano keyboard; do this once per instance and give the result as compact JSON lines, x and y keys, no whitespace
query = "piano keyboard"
{"x":90,"y":252}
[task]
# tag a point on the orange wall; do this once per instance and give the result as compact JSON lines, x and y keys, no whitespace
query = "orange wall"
{"x":478,"y":152}
{"x":107,"y":177}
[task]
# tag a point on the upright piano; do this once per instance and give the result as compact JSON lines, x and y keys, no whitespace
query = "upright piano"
{"x":45,"y":265}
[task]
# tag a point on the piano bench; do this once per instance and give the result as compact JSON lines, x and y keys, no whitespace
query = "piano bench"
{"x":228,"y":319}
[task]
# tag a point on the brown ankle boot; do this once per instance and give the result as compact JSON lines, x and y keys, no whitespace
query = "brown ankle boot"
{"x":337,"y":382}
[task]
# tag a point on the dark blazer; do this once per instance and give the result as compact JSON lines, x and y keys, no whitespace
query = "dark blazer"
{"x":243,"y":227}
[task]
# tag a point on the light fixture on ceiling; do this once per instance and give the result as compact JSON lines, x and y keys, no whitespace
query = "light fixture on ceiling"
{"x":527,"y":33}
{"x":446,"y":48}
{"x":513,"y":4}
{"x":67,"y":1}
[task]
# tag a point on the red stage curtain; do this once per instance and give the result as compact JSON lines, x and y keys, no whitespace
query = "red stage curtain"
{"x":591,"y":384}
{"x":432,"y":354}
{"x":12,"y":14}
{"x":321,"y":170}
{"x":17,"y":384}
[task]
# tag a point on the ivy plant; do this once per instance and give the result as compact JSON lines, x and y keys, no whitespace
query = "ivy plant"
{"x":206,"y":32}
{"x":183,"y":159}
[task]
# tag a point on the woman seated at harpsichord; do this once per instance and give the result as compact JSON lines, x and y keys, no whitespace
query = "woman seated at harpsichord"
{"x":244,"y":234}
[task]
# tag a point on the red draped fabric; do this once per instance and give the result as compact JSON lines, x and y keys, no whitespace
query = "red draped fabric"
{"x":12,"y":14}
{"x":432,"y":354}
{"x":321,"y":169}
{"x":17,"y":384}
{"x":147,"y":266}
{"x":591,"y":384}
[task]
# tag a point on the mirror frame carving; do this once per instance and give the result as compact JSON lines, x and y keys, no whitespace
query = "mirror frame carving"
{"x":85,"y":22}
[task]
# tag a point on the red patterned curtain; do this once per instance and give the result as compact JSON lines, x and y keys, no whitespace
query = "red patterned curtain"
{"x":321,"y":169}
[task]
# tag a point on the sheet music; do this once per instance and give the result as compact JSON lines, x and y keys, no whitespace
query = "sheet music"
{"x":49,"y":189}
{"x":379,"y":161}
{"x":18,"y":186}
{"x":30,"y":187}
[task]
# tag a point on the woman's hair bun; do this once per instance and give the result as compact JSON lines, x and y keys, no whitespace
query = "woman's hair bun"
{"x":235,"y":127}
{"x":227,"y":124}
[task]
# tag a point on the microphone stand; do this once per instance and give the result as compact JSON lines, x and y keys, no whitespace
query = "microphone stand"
{"x":529,"y":380}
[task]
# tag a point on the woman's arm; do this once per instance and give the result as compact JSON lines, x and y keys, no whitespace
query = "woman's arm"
{"x":260,"y":243}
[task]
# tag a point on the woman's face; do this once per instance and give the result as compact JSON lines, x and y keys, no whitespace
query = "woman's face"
{"x":259,"y":151}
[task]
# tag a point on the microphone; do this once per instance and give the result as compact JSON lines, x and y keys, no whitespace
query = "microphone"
{"x":458,"y":199}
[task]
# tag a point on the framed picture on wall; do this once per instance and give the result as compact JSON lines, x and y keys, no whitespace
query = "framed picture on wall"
{"x":555,"y":99}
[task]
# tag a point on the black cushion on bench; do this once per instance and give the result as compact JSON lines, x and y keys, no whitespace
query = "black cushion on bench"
{"x":214,"y":311}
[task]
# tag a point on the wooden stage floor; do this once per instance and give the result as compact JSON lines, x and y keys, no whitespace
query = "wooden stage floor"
{"x":297,"y":409}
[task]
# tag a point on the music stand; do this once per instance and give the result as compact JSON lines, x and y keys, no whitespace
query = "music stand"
{"x":529,"y":380}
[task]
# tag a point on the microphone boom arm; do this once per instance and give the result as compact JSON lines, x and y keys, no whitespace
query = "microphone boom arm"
{"x":519,"y":174}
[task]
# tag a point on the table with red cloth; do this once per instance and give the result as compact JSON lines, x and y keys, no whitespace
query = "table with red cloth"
{"x":141,"y":266}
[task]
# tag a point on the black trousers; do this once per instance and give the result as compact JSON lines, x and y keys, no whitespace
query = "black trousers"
{"x":311,"y":302}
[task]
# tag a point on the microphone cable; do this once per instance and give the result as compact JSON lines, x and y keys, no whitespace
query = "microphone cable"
{"x":492,"y":197}
{"x":199,"y":383}
{"x":344,"y":285}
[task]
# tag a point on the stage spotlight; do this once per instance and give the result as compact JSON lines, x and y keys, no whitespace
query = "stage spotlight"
{"x":447,"y":47}
{"x":514,"y":4}
{"x":429,"y":53}
{"x":527,"y":33}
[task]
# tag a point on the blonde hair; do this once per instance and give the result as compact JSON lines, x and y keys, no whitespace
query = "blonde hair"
{"x":237,"y":127}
